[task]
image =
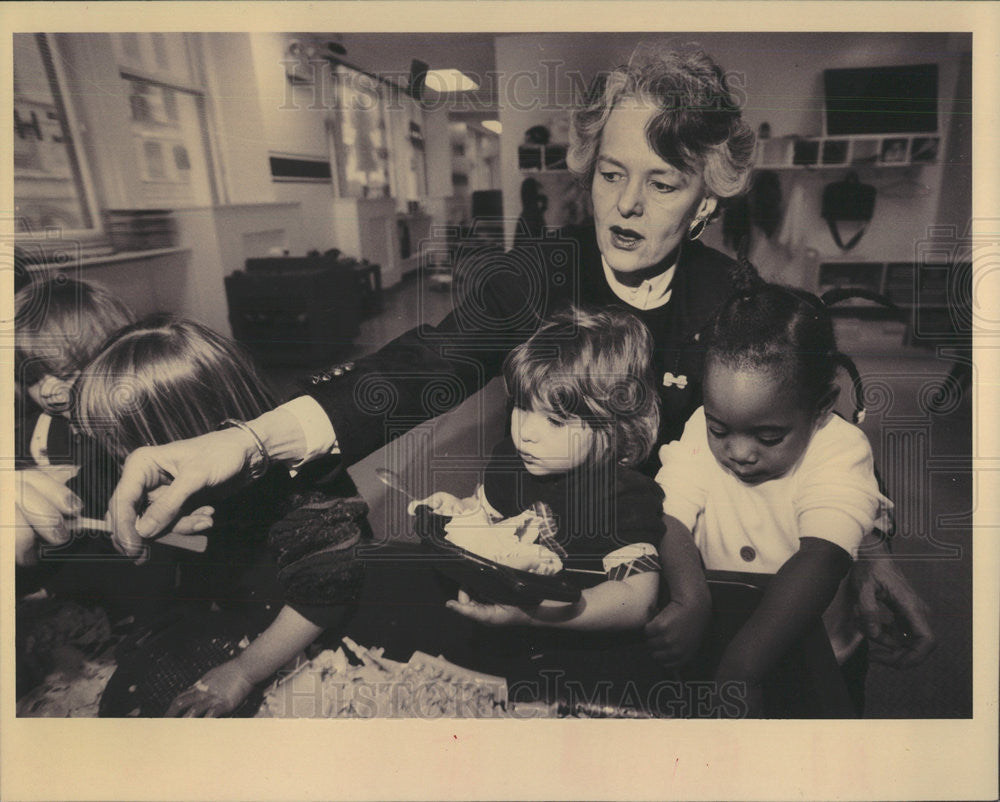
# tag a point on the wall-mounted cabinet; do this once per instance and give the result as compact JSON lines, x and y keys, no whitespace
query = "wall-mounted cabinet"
{"x":801,"y":153}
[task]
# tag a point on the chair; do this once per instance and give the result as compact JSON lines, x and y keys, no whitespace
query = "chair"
{"x":294,"y":310}
{"x":367,"y":276}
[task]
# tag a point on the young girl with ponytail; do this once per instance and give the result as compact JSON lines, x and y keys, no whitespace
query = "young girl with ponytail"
{"x":770,"y":480}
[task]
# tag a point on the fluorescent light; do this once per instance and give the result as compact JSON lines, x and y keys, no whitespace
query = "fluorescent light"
{"x":493,"y":125}
{"x":449,"y":81}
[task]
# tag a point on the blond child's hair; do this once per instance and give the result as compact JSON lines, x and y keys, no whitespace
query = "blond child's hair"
{"x":164,"y":379}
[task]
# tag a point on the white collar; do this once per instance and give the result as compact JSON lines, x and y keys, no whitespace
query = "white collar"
{"x":650,"y":294}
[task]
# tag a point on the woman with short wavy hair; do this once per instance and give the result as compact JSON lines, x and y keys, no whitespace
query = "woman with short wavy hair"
{"x":696,"y":125}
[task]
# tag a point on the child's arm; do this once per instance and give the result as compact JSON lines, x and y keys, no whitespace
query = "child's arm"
{"x":795,"y":599}
{"x":674,"y":635}
{"x":616,"y":604}
{"x":224,"y":688}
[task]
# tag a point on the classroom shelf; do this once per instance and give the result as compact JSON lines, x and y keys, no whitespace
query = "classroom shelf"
{"x":840,"y":152}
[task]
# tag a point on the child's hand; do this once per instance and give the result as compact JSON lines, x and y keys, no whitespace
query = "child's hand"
{"x":494,"y":615}
{"x":675,"y":634}
{"x":42,"y":507}
{"x":217,"y":693}
{"x":446,"y":504}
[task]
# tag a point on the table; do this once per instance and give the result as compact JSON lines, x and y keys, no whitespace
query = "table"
{"x":402,"y":608}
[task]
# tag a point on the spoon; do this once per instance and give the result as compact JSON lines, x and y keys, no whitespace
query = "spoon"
{"x":192,"y":542}
{"x":392,"y":479}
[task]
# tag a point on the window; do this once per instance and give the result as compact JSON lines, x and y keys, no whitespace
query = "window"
{"x":409,"y":174}
{"x":360,"y":139}
{"x":167,"y":125}
{"x":167,"y":114}
{"x":50,"y":190}
{"x":127,"y":109}
{"x":165,"y":55}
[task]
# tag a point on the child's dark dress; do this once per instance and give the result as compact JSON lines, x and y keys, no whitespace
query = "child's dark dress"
{"x":597,"y":509}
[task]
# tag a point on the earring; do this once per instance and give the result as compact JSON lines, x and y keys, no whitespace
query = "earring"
{"x":697,"y":228}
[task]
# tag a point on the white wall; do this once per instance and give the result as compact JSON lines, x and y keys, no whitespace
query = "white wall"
{"x":294,"y":120}
{"x":213,"y":242}
{"x":315,"y":213}
{"x":294,"y":117}
{"x":236,"y":119}
{"x":221,"y":239}
{"x":437,"y":140}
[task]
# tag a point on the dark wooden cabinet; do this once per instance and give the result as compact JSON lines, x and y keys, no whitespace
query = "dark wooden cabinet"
{"x":295,"y":310}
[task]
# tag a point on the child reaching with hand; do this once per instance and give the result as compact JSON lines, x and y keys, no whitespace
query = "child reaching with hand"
{"x":583,"y":412}
{"x":61,"y":324}
{"x":770,"y":480}
{"x":164,"y":379}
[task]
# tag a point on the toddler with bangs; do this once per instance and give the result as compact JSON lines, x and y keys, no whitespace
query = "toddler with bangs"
{"x":165,"y":379}
{"x":583,"y":412}
{"x":60,"y":325}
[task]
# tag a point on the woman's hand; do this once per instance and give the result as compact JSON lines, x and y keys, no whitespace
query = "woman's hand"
{"x":446,"y":504}
{"x":45,"y":511}
{"x":494,"y":615}
{"x":167,"y":476}
{"x":197,"y":520}
{"x":898,"y":628}
{"x":218,"y":693}
{"x":41,"y":508}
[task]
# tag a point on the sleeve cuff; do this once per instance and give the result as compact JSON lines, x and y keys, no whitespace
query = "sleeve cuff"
{"x":835,"y":526}
{"x":684,"y":511}
{"x":320,"y":437}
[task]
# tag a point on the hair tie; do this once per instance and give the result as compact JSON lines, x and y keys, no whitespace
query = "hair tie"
{"x":847,"y":363}
{"x":746,"y":280}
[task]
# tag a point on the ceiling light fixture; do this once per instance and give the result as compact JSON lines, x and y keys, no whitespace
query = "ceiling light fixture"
{"x":449,"y":81}
{"x":493,"y":125}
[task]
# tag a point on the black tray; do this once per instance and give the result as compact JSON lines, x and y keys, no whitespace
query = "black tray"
{"x":484,"y":579}
{"x":160,"y":660}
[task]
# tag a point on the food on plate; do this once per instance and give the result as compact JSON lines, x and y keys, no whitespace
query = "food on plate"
{"x":514,"y":542}
{"x":332,"y":686}
{"x":64,"y":656}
